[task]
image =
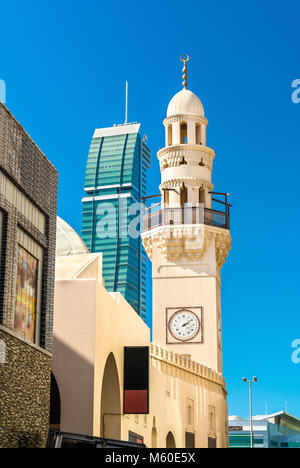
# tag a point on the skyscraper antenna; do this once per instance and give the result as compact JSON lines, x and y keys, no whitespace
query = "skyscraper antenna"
{"x":126,"y":104}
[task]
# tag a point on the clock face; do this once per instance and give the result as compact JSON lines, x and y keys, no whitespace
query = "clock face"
{"x":219,"y":331}
{"x":184,"y":325}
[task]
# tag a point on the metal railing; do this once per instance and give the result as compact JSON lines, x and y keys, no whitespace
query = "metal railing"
{"x":186,"y":215}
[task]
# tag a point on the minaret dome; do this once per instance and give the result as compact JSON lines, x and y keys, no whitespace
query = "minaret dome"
{"x":185,"y":122}
{"x":185,"y":102}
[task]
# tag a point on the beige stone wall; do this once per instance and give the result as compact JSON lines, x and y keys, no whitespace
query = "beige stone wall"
{"x":90,"y":325}
{"x":189,"y":282}
{"x":175,"y":385}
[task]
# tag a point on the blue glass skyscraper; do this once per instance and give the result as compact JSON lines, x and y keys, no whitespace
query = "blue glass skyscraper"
{"x":115,"y":182}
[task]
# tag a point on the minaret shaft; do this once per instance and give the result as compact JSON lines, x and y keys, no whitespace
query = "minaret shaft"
{"x":187,"y":240}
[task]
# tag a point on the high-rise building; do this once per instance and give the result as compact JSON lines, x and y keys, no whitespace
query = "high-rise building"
{"x":28,"y":192}
{"x":115,"y":182}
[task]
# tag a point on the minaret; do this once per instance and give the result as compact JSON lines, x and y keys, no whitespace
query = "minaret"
{"x":186,"y":239}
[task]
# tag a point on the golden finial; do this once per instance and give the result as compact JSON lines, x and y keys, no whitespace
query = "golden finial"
{"x":184,"y":59}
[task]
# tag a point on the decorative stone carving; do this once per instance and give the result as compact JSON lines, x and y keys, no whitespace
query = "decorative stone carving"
{"x":182,"y":364}
{"x":189,"y":182}
{"x":173,"y":245}
{"x":183,"y":117}
{"x":194,"y":155}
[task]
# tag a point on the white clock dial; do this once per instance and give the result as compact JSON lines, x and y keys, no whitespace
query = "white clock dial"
{"x":184,"y":325}
{"x":219,"y":330}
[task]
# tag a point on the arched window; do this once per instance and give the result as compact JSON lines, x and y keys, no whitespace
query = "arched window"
{"x":170,"y":441}
{"x":170,"y":135}
{"x":183,"y":195}
{"x":189,"y":415}
{"x":154,"y":435}
{"x":183,"y":133}
{"x":111,"y":401}
{"x":198,"y":134}
{"x":166,"y":198}
{"x":201,"y":195}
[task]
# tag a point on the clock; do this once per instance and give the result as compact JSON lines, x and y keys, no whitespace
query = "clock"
{"x":184,"y":325}
{"x":219,"y":331}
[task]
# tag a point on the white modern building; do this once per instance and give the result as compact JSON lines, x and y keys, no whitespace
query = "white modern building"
{"x":277,"y":430}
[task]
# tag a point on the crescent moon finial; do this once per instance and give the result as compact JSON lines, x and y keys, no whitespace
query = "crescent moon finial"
{"x":184,"y":59}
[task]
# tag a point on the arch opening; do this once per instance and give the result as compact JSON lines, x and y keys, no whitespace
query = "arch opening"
{"x":198,"y":134}
{"x":110,"y":401}
{"x":170,"y":136}
{"x":170,"y":440}
{"x":189,"y":415}
{"x":154,"y":434}
{"x":183,"y":196}
{"x":55,"y":405}
{"x":202,"y":195}
{"x":183,"y":133}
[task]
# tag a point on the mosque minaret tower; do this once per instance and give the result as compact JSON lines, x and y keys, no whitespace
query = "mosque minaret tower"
{"x":187,"y":237}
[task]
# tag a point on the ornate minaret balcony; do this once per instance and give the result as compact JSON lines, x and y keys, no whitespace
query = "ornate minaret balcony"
{"x":189,"y":215}
{"x":187,"y":232}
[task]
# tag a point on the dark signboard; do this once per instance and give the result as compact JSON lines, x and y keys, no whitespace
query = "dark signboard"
{"x":136,"y":380}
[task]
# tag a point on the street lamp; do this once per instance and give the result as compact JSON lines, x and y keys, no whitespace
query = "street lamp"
{"x":250,"y":400}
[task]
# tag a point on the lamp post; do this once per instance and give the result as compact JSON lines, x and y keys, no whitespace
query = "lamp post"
{"x":250,"y":401}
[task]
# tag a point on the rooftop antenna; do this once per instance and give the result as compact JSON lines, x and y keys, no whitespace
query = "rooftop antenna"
{"x":184,"y":59}
{"x":286,"y":407}
{"x":126,"y":104}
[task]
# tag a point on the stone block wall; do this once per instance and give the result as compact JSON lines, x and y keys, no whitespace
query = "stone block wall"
{"x":25,"y":395}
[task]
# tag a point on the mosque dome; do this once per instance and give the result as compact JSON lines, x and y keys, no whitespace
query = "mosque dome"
{"x":68,"y":242}
{"x":185,"y":102}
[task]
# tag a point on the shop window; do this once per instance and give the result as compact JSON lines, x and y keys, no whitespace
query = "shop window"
{"x":29,"y":257}
{"x":26,"y":295}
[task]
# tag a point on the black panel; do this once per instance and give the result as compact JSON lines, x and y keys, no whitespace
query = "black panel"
{"x":136,"y":368}
{"x":189,"y":440}
{"x":212,"y":442}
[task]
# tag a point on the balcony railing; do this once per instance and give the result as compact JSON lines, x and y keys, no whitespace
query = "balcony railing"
{"x":186,"y":215}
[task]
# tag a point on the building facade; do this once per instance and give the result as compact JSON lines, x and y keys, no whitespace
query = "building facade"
{"x":28,"y":196}
{"x":187,"y":400}
{"x":115,"y":182}
{"x":278,"y":430}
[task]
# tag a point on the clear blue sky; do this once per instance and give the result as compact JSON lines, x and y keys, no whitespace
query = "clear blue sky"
{"x":65,"y":64}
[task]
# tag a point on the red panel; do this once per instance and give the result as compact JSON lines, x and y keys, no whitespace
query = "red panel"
{"x":135,"y":402}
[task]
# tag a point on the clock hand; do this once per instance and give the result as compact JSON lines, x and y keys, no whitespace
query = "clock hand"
{"x":185,"y":324}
